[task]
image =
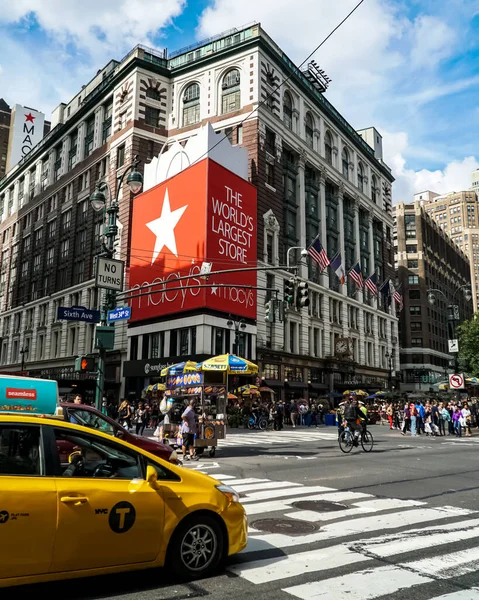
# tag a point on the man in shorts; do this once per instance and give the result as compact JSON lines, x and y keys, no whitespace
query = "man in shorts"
{"x":189,"y":429}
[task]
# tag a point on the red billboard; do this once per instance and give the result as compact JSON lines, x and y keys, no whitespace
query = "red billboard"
{"x":204,"y":214}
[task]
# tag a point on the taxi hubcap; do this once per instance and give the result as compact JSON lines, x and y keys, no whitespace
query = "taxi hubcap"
{"x":198,"y":547}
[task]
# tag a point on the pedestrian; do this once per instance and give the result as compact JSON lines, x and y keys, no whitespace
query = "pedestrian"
{"x":188,"y":431}
{"x":444,"y":418}
{"x":456,"y":419}
{"x":389,"y":414}
{"x":293,"y":411}
{"x":124,"y":414}
{"x":140,"y":417}
{"x":466,"y":420}
{"x":278,"y":415}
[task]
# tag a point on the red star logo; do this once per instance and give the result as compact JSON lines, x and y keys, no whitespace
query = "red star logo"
{"x":29,"y":117}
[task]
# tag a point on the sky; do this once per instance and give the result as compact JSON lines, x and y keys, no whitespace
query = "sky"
{"x":410,"y":68}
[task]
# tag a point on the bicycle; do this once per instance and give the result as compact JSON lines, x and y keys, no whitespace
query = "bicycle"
{"x":347,"y":440}
{"x":257,"y":421}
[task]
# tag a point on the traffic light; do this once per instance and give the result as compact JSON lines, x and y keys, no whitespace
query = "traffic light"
{"x":303,"y":294}
{"x":84,"y":364}
{"x":289,"y":286}
{"x":269,"y":311}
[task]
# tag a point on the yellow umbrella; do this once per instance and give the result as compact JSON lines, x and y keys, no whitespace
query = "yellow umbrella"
{"x":231,"y":364}
{"x":355,"y":393}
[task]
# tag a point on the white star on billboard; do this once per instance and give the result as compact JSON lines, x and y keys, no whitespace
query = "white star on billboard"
{"x":164,"y":228}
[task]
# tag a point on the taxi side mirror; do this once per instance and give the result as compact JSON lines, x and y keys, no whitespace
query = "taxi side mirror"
{"x":152,"y":477}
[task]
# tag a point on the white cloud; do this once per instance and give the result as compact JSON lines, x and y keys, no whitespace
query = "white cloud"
{"x":384,"y":69}
{"x":455,"y":176}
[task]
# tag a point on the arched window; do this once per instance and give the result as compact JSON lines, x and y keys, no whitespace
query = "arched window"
{"x":231,"y":92}
{"x":345,"y":162}
{"x":288,"y":110}
{"x":374,"y":189}
{"x":328,"y":148}
{"x":309,"y":127}
{"x":360,"y":177}
{"x":153,"y":93}
{"x":191,"y":105}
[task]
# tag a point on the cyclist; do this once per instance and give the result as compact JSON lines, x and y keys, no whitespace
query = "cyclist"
{"x":364,"y":417}
{"x":353,"y":417}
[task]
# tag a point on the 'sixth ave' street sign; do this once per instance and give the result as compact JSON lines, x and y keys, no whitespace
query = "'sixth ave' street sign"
{"x":78,"y":313}
{"x":109,"y":274}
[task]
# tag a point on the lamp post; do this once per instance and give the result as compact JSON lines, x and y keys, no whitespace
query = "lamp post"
{"x":453,"y":313}
{"x":390,"y":358}
{"x":98,"y":202}
{"x":237,"y":324}
{"x":304,"y":252}
{"x":23,"y":351}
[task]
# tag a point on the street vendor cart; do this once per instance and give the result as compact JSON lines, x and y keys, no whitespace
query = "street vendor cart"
{"x":207,"y":382}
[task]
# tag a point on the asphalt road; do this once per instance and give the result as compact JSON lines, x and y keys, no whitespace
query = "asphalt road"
{"x":401,"y":522}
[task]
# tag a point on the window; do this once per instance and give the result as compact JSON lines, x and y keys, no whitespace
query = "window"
{"x":20,"y":450}
{"x":72,"y":155}
{"x":89,"y":134}
{"x":416,"y":326}
{"x":120,"y":156}
{"x":38,"y":237}
{"x":269,"y":173}
{"x":52,"y":228}
{"x":412,"y":264}
{"x":288,"y":110}
{"x":97,"y":457}
{"x":66,"y":220}
{"x":107,"y":117}
{"x":360,"y":177}
{"x":345,"y":163}
{"x":26,"y":244}
{"x":153,"y":94}
{"x":415,"y":310}
{"x":309,"y":128}
{"x":269,"y":248}
{"x":411,"y":248}
{"x":152,"y":116}
{"x":191,"y":105}
{"x":231,"y":92}
{"x":36,"y":263}
{"x":413,"y":280}
{"x":374,"y":189}
{"x":122,"y":120}
{"x":328,"y":148}
{"x":64,"y":248}
{"x":414,"y":294}
{"x":416,"y":342}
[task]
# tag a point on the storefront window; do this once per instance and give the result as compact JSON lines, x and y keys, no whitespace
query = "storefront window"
{"x":293,"y":373}
{"x":271,"y":371}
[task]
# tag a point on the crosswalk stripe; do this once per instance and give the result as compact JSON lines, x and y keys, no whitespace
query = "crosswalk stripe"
{"x":444,"y":566}
{"x":361,"y":585}
{"x":277,"y":505}
{"x":270,"y":485}
{"x":233,"y":482}
{"x":282,"y":493}
{"x":472,"y":594}
{"x":370,"y":506}
{"x":352,"y":527}
{"x":221,"y":477}
{"x":418,"y":539}
{"x":272,"y":569}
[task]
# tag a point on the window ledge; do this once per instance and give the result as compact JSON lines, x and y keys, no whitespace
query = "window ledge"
{"x":270,"y":187}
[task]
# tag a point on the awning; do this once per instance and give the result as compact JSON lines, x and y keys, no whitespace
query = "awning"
{"x":296,"y":385}
{"x":319,"y":387}
{"x":273,"y":383}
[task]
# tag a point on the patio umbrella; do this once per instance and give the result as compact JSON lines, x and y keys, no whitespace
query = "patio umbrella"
{"x":179,"y":368}
{"x":473,"y":380}
{"x":355,"y":393}
{"x":231,"y":364}
{"x":159,"y":387}
{"x":232,"y":397}
{"x":265,"y":388}
{"x":249,"y":390}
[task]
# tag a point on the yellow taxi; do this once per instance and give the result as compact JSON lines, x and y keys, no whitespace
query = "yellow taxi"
{"x":75,"y":502}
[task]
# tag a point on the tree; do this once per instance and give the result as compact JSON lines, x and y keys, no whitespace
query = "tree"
{"x":468,"y":335}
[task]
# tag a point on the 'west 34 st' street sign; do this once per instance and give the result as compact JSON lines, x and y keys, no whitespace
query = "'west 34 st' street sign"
{"x":78,"y":313}
{"x":121,"y":313}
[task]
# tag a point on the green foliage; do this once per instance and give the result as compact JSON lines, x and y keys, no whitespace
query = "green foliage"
{"x":468,"y":334}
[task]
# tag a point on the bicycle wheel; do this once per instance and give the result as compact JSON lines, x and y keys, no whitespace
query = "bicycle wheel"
{"x":345,"y":442}
{"x":262,"y":424}
{"x":367,"y":441}
{"x":251,"y":424}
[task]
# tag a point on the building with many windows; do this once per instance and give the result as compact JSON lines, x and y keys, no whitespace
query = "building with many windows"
{"x":426,"y":258}
{"x":313,"y":172}
{"x":457,"y":214}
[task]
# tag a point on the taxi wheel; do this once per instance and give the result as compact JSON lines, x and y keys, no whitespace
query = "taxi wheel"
{"x":197,"y":548}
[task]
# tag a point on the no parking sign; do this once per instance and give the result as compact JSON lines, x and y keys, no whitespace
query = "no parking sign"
{"x":456,"y":382}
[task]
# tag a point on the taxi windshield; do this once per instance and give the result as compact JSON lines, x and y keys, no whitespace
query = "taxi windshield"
{"x":90,"y":419}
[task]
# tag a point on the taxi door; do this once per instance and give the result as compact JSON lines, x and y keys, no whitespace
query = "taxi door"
{"x":106,"y":516}
{"x":28,"y":506}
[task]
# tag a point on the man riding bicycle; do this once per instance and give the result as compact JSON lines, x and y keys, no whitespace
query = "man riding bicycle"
{"x":354,"y":417}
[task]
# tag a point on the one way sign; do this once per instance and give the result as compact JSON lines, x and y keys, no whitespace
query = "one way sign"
{"x":456,"y":382}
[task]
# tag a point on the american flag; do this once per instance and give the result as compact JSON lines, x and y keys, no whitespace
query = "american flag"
{"x":356,"y":275}
{"x":371,"y":284}
{"x":318,"y":253}
{"x":398,"y":300}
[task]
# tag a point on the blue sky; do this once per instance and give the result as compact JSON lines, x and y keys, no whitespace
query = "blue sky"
{"x":408,"y":67}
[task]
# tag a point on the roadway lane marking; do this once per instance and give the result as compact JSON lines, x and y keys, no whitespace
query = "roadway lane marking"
{"x":270,"y":485}
{"x":307,"y":489}
{"x":277,"y":505}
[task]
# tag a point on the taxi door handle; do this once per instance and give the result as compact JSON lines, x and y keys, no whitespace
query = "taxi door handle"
{"x":74,"y":499}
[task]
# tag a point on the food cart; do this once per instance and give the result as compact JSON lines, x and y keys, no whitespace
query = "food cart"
{"x":208,"y":383}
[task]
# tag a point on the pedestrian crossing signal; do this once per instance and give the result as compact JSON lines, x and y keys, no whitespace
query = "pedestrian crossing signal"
{"x":269,"y":311}
{"x":303,"y":294}
{"x":84,"y":364}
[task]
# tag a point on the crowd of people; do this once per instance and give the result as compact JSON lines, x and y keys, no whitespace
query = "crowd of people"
{"x":433,"y":417}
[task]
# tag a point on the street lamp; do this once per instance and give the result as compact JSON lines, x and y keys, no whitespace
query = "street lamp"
{"x":304,"y":252}
{"x":237,"y":324}
{"x":98,"y":202}
{"x":453,"y":311}
{"x":390,"y":357}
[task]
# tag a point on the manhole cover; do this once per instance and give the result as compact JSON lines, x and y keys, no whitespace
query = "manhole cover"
{"x":287,"y":526}
{"x":319,"y":505}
